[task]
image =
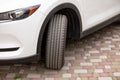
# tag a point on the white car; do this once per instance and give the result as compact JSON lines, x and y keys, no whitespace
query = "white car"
{"x":37,"y":29}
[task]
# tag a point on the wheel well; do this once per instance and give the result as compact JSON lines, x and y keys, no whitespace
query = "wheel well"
{"x":74,"y":25}
{"x":73,"y":28}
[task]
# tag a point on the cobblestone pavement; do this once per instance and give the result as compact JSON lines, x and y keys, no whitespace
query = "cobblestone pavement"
{"x":95,"y":57}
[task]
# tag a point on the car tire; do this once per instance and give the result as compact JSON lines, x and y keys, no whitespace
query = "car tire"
{"x":56,"y":41}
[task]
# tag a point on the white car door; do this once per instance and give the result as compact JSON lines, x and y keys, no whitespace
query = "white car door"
{"x":97,"y":11}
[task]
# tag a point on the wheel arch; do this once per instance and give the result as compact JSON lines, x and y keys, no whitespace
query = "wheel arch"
{"x":75,"y":34}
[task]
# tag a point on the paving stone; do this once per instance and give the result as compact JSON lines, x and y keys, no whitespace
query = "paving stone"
{"x":10,"y":75}
{"x":108,"y":42}
{"x":25,"y":79}
{"x":96,"y":60}
{"x":112,"y":46}
{"x":18,"y":65}
{"x":67,"y":75}
{"x":33,"y":75}
{"x":49,"y":79}
{"x":65,"y":68}
{"x":118,"y":53}
{"x":80,"y":71}
{"x":86,"y":64}
{"x":89,"y":47}
{"x":98,"y":71}
{"x":103,"y":57}
{"x":4,"y":67}
{"x":87,"y":54}
{"x":107,"y":67}
{"x":108,"y":38}
{"x":50,"y":72}
{"x":117,"y":36}
{"x":116,"y":74}
{"x":69,"y":58}
{"x":94,"y":52}
{"x":84,"y":78}
{"x":18,"y":79}
{"x":69,"y":64}
{"x":104,"y":78}
{"x":78,"y":79}
{"x":22,"y":71}
{"x":33,"y":68}
{"x":84,"y":57}
{"x":116,"y":39}
{"x":105,"y":48}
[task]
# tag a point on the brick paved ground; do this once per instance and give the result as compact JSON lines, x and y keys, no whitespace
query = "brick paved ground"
{"x":96,"y":57}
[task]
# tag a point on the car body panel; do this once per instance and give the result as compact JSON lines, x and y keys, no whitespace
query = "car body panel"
{"x":25,"y":33}
{"x":97,"y":11}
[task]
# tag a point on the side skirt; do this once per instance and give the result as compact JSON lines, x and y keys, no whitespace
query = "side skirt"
{"x":100,"y":26}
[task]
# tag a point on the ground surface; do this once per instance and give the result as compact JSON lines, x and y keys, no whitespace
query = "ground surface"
{"x":96,"y":57}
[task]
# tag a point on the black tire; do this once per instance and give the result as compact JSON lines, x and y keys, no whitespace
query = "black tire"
{"x":56,"y":41}
{"x":119,"y":20}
